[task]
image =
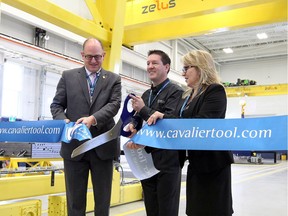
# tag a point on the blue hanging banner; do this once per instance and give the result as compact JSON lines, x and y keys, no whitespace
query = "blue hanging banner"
{"x":265,"y":133}
{"x":43,"y":131}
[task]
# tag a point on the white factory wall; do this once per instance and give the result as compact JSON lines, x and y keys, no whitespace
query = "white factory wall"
{"x":29,"y":95}
{"x":263,"y":71}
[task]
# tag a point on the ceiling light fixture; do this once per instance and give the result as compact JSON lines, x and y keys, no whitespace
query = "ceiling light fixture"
{"x":262,"y":36}
{"x":228,"y":50}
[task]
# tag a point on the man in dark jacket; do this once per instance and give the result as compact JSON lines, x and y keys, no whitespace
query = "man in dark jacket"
{"x":161,"y":191}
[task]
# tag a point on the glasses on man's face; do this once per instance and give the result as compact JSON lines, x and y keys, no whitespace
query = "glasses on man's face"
{"x":185,"y":68}
{"x":96,"y":57}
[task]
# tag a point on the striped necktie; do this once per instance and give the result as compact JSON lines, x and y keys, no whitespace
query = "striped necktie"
{"x":92,"y":77}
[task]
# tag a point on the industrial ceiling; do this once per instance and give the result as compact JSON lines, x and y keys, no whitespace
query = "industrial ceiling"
{"x":245,"y":43}
{"x":207,"y":25}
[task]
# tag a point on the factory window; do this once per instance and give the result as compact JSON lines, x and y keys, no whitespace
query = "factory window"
{"x":19,"y":92}
{"x":49,"y":91}
{"x":134,"y":72}
{"x":11,"y":92}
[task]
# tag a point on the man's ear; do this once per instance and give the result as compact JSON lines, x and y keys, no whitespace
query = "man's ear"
{"x":167,"y":68}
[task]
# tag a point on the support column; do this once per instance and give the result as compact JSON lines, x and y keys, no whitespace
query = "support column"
{"x":113,"y":12}
{"x":175,"y":55}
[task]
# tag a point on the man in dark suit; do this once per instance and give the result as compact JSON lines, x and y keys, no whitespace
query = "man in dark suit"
{"x":93,"y":102}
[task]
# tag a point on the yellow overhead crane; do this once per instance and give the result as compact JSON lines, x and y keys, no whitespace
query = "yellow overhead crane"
{"x":131,"y":22}
{"x":257,"y":90}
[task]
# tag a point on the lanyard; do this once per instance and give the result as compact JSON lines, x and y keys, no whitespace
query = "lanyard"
{"x":186,"y":101}
{"x":92,"y":85}
{"x":184,"y":105}
{"x":150,"y":95}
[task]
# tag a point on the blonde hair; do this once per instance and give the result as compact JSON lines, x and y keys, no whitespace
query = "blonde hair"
{"x":203,"y":61}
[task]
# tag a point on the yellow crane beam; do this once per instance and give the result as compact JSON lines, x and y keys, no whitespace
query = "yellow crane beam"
{"x":155,"y":20}
{"x":147,"y":12}
{"x":257,"y":90}
{"x":97,"y":18}
{"x":113,"y":13}
{"x":107,"y":23}
{"x":65,"y":19}
{"x":148,"y":21}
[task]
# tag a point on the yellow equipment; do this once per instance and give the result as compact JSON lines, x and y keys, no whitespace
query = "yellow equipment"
{"x":16,"y":183}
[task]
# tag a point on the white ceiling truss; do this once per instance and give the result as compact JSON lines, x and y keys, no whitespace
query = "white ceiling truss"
{"x":244,"y":43}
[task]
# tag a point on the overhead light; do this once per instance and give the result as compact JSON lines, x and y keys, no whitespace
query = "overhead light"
{"x":262,"y":36}
{"x":228,"y":50}
{"x":215,"y":31}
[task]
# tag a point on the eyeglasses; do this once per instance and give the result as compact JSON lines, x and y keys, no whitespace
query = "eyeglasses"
{"x":96,"y":57}
{"x":185,"y":68}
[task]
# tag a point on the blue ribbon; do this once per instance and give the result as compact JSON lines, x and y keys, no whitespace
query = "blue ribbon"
{"x":56,"y":130}
{"x":42,"y":131}
{"x":266,"y":133}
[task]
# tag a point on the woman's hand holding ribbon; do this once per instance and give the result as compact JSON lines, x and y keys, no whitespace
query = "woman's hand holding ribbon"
{"x":154,"y":117}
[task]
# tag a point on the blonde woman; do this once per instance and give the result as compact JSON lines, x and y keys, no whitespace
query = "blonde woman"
{"x":209,"y":172}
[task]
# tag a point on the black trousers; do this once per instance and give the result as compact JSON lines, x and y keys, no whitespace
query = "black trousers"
{"x":76,"y":180}
{"x":162,"y":193}
{"x":209,"y":194}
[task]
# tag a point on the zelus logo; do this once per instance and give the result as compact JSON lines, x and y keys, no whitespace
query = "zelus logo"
{"x":159,"y":5}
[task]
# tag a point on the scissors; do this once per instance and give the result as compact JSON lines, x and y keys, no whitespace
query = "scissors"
{"x":114,"y":133}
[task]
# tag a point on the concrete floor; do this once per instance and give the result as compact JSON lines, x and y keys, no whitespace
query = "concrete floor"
{"x":258,"y":190}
